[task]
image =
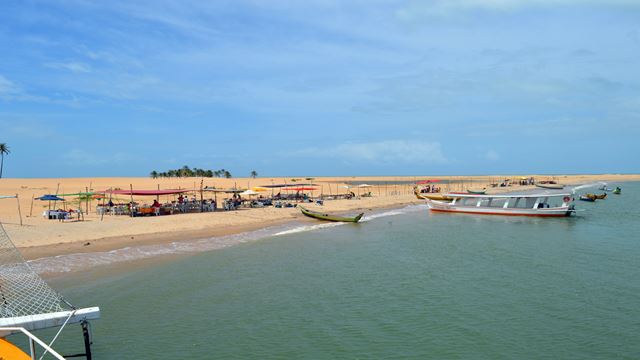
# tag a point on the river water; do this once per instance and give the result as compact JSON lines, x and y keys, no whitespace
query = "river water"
{"x":404,"y":284}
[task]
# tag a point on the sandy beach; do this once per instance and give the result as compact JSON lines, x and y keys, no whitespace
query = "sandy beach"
{"x":39,"y":237}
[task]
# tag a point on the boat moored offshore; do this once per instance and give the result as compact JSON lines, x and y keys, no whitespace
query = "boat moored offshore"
{"x":541,"y":204}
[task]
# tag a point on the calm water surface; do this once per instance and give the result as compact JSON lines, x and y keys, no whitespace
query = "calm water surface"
{"x":416,"y":285}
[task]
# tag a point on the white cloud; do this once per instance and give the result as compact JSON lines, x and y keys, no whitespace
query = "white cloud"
{"x":492,"y":155}
{"x":418,"y":9}
{"x":8,"y":89}
{"x":387,"y":151}
{"x":72,"y":66}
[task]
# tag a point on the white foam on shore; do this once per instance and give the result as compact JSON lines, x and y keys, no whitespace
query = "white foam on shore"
{"x":306,"y":228}
{"x":79,"y":261}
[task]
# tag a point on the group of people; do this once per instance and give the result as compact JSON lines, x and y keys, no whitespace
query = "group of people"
{"x":527,"y":181}
{"x":430,"y":189}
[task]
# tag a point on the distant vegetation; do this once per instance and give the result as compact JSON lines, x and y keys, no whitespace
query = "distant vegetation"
{"x":186,"y":171}
{"x":4,"y":150}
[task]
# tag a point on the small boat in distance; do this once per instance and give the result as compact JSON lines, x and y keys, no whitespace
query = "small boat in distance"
{"x":588,"y":197}
{"x":617,"y":190}
{"x":328,"y":217}
{"x":477,"y":192}
{"x":550,"y":186}
{"x":542,"y":205}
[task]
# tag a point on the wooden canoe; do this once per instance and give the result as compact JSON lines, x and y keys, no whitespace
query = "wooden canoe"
{"x":550,"y":186}
{"x":329,"y":217}
{"x":477,"y":192}
{"x":432,"y":196}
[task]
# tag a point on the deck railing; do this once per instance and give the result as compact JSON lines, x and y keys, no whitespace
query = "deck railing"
{"x":33,"y":340}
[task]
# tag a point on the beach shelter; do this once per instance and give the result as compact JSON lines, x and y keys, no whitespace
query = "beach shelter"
{"x":248,"y":193}
{"x":148,"y":192}
{"x":363,"y":186}
{"x":49,"y":198}
{"x":422,"y":182}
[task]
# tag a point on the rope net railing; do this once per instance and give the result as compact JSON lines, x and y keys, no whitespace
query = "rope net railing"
{"x":22,"y":291}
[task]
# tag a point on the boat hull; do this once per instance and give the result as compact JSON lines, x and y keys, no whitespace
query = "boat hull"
{"x":328,"y":217}
{"x":588,"y":197}
{"x":433,"y":196}
{"x":477,"y":210}
{"x":550,"y":186}
{"x":10,"y":351}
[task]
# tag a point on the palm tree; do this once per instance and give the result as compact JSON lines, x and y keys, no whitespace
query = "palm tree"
{"x":154,"y":174}
{"x":4,"y":150}
{"x":254,"y":174}
{"x":227,"y":174}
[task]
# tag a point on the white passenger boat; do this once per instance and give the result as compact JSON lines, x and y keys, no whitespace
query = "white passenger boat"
{"x":541,"y":204}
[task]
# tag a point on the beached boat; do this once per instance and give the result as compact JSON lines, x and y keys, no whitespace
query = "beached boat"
{"x":617,"y":190}
{"x":543,"y":205}
{"x":477,"y":192}
{"x":329,"y":217}
{"x":588,"y":197}
{"x":550,"y":186}
{"x":432,"y":196}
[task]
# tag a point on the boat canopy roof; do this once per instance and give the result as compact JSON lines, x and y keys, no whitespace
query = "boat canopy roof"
{"x":147,"y":192}
{"x":504,"y":196}
{"x":287,"y":185}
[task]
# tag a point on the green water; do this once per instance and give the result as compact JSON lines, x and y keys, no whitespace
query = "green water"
{"x":415,"y":285}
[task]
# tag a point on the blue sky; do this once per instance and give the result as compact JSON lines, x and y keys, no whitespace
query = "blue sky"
{"x":114,"y":88}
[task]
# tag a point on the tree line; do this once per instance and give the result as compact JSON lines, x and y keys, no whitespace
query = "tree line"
{"x":186,"y":171}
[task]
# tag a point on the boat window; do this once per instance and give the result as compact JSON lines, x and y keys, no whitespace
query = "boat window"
{"x":469,"y":201}
{"x":498,"y":202}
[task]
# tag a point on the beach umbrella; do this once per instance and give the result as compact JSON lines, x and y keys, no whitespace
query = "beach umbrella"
{"x":427,"y":181}
{"x":363,"y":186}
{"x":49,"y":198}
{"x":248,"y":193}
{"x":300,"y":189}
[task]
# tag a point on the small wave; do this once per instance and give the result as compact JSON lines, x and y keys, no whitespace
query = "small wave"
{"x":306,"y":228}
{"x":78,"y":261}
{"x":404,"y":210}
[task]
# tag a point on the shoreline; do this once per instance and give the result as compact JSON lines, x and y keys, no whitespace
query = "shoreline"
{"x":39,"y":237}
{"x":162,"y":238}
